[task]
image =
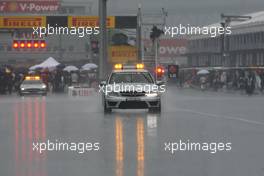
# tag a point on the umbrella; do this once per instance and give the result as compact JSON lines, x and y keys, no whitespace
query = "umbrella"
{"x":85,"y":69}
{"x":70,"y":68}
{"x":89,"y":66}
{"x":48,"y":63}
{"x":34,"y":67}
{"x":202,"y":72}
{"x":31,"y":72}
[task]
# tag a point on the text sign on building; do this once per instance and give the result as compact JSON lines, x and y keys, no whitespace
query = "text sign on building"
{"x":169,"y":47}
{"x":15,"y":22}
{"x":29,"y":6}
{"x":89,"y":21}
{"x":122,"y":54}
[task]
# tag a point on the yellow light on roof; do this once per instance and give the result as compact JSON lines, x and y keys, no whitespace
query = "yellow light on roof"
{"x":140,"y":66}
{"x":28,"y":77}
{"x":118,"y":66}
{"x":32,"y":78}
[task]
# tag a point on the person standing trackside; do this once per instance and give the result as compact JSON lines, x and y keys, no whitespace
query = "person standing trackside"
{"x":250,"y":83}
{"x":262,"y":81}
{"x":2,"y":83}
{"x":223,"y":79}
{"x":10,"y":81}
{"x":74,"y":78}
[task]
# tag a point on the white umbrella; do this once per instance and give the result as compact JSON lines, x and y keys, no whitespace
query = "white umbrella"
{"x":70,"y":68}
{"x":85,"y":69}
{"x":89,"y":66}
{"x":49,"y":63}
{"x":31,"y":72}
{"x":202,"y":72}
{"x":34,"y":67}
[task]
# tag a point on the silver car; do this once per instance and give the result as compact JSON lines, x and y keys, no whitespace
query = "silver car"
{"x":131,"y":89}
{"x":33,"y":85}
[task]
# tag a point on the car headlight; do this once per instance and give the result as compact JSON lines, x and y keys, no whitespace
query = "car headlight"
{"x":115,"y":94}
{"x":151,"y":94}
{"x":44,"y":86}
{"x":22,"y":88}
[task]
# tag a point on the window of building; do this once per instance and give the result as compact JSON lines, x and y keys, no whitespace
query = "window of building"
{"x":262,"y":37}
{"x":255,"y":37}
{"x":240,"y":60}
{"x":240,"y":40}
{"x":63,"y":10}
{"x":249,"y":59}
{"x":261,"y":59}
{"x":71,"y":10}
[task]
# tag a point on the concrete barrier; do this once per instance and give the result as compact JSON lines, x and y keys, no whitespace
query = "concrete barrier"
{"x":80,"y":91}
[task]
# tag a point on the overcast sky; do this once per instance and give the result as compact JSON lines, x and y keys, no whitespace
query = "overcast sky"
{"x":194,"y":12}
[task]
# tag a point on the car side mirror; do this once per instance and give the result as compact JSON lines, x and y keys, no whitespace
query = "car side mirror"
{"x":159,"y":83}
{"x":102,"y":83}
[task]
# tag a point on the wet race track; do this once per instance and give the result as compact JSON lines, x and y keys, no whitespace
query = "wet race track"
{"x":132,"y":142}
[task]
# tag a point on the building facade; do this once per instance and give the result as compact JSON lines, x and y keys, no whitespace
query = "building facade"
{"x":243,"y":48}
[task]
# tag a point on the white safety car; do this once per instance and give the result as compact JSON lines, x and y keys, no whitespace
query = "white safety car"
{"x":131,"y":87}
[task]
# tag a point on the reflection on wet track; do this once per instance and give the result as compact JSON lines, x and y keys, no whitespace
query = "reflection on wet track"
{"x":140,"y":147}
{"x":119,"y":147}
{"x":131,"y":141}
{"x":29,"y":126}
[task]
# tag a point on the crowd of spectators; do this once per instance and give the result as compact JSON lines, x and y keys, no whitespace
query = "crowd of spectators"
{"x":56,"y":80}
{"x":248,"y":80}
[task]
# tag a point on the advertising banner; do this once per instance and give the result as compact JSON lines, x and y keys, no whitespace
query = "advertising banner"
{"x":16,"y":22}
{"x":27,"y":6}
{"x":122,"y":54}
{"x":89,"y":21}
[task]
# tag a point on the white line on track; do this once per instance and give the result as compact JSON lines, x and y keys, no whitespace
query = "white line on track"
{"x":220,"y":116}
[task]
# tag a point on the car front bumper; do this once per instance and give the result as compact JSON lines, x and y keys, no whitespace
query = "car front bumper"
{"x":33,"y":91}
{"x":142,"y":102}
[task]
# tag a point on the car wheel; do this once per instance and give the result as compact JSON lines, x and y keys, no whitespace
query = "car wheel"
{"x":106,"y":109}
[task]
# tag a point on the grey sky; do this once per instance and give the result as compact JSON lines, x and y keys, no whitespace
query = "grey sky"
{"x":195,"y":12}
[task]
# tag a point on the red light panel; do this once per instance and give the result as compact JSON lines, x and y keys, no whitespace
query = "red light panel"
{"x":36,"y":45}
{"x":22,"y":45}
{"x":42,"y":44}
{"x":29,"y":45}
{"x":15,"y":45}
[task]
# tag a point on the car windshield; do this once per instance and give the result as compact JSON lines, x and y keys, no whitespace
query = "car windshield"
{"x":32,"y":82}
{"x":131,"y":77}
